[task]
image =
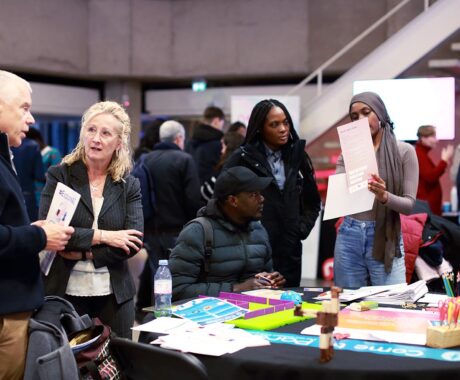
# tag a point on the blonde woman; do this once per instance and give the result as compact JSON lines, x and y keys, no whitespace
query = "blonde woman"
{"x":92,"y":272}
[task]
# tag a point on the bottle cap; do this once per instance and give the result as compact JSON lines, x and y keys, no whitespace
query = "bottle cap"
{"x":163,"y":262}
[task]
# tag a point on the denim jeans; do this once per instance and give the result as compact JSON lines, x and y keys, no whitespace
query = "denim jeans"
{"x":354,"y":265}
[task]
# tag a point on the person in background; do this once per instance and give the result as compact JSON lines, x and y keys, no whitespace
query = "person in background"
{"x":273,"y":149}
{"x":205,"y":145}
{"x":455,"y":172}
{"x":92,"y":271}
{"x":369,"y":247}
{"x":230,"y":142}
{"x":237,"y":127}
{"x":21,"y":286}
{"x":429,"y":186}
{"x":50,"y":156}
{"x":241,"y":258}
{"x":177,"y":196}
{"x":150,"y":136}
{"x":28,"y":163}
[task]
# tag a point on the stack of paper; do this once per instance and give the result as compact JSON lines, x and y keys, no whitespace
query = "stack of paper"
{"x":349,"y":295}
{"x":165,"y":325}
{"x":433,"y":299}
{"x":213,"y":340}
{"x":400,"y":293}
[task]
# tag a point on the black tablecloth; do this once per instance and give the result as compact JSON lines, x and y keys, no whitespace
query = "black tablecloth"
{"x":288,"y":362}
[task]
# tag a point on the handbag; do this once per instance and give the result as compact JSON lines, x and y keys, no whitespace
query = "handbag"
{"x":94,"y":357}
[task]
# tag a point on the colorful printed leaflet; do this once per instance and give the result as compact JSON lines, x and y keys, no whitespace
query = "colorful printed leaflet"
{"x":209,"y":310}
{"x":383,"y":324}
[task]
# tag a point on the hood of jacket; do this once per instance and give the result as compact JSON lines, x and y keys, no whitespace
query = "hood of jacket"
{"x":205,"y":132}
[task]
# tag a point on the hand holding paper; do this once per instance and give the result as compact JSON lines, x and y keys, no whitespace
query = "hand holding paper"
{"x":57,"y":236}
{"x":62,"y":208}
{"x":377,"y":186}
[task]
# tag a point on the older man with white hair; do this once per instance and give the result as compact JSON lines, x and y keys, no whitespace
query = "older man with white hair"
{"x":177,"y":195}
{"x":21,"y":288}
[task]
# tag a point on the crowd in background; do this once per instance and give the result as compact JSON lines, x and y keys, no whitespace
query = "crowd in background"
{"x":235,"y":176}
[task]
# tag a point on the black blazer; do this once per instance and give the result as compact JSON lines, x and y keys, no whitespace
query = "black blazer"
{"x":122,"y":209}
{"x":21,"y":287}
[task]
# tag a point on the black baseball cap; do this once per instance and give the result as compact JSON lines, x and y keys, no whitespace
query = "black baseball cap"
{"x":237,"y":179}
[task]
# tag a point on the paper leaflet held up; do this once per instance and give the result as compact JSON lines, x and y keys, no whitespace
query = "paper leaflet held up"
{"x":62,"y":208}
{"x":347,"y":193}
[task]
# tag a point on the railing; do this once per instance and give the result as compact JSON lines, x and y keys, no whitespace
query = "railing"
{"x":318,"y":73}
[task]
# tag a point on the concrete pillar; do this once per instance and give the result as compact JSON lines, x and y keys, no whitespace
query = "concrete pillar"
{"x":129,"y":94}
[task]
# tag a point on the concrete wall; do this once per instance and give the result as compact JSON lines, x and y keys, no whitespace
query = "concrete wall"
{"x":161,"y":39}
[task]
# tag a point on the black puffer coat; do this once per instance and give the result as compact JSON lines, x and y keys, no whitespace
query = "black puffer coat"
{"x":238,"y":254}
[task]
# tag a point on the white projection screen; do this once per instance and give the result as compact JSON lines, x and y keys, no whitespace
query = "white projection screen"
{"x":415,"y":102}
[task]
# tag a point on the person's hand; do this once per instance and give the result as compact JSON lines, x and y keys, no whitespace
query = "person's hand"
{"x":124,"y":239}
{"x":276,"y":278}
{"x":75,"y":255}
{"x":447,"y":152}
{"x":377,"y":185}
{"x":251,"y":284}
{"x":57,"y":236}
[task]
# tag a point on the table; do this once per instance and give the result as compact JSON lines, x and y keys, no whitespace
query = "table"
{"x":288,"y":362}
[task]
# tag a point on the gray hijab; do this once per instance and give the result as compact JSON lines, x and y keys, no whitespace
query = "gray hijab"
{"x":387,"y":223}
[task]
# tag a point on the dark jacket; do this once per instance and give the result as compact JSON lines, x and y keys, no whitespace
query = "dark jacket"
{"x":449,"y":233}
{"x":122,"y":209}
{"x":238,"y":254}
{"x":297,"y":206}
{"x":289,"y":214}
{"x":28,"y":163}
{"x":205,"y":147}
{"x":177,"y":189}
{"x":21,"y":287}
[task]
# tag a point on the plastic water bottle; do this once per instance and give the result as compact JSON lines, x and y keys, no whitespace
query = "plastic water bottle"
{"x":163,"y":290}
{"x":454,"y":199}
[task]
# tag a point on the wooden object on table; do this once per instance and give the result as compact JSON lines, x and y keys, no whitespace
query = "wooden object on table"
{"x":443,"y":336}
{"x":328,"y":319}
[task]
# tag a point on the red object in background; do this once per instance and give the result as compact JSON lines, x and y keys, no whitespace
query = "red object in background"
{"x":328,"y":269}
{"x":324,"y":174}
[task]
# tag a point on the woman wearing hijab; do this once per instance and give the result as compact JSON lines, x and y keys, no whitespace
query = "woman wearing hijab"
{"x":273,"y":149}
{"x":369,"y":248}
{"x":92,"y":272}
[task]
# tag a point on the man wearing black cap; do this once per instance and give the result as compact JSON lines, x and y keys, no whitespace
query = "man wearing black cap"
{"x":241,"y":253}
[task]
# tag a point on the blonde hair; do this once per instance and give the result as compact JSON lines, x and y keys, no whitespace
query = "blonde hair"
{"x":121,"y":163}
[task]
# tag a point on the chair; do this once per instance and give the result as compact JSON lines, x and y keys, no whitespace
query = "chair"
{"x":140,"y":361}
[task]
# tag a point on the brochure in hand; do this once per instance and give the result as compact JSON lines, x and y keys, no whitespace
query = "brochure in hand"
{"x":209,"y":310}
{"x":63,"y":206}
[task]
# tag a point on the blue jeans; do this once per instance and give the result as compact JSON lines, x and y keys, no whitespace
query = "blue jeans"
{"x":354,"y":265}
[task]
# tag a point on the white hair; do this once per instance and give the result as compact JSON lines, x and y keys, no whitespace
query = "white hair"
{"x":170,"y":129}
{"x":8,"y":85}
